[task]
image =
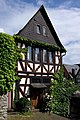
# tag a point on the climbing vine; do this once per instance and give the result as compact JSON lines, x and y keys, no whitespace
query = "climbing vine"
{"x":36,"y":43}
{"x":8,"y":58}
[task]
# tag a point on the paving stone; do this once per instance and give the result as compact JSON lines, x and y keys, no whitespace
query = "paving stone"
{"x":37,"y":116}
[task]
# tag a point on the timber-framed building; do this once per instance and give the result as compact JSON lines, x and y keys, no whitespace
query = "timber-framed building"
{"x":42,"y":58}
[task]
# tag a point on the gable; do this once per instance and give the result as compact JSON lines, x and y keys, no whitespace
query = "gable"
{"x":30,"y":29}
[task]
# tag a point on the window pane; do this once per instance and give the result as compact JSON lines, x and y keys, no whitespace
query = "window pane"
{"x":44,"y":56}
{"x":37,"y":58}
{"x":44,"y":30}
{"x":38,"y":29}
{"x":29,"y":53}
{"x":50,"y":57}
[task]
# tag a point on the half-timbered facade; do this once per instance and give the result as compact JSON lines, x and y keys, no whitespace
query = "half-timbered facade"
{"x":42,"y":58}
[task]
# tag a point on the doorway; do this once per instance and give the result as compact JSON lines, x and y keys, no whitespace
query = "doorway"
{"x":36,"y":97}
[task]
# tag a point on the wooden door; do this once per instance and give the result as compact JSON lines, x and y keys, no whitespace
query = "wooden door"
{"x":36,"y":97}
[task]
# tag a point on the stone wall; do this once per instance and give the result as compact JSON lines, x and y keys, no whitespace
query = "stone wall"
{"x":3,"y":107}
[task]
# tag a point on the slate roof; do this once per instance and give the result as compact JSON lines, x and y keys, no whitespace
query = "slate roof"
{"x":70,"y":67}
{"x":50,"y":26}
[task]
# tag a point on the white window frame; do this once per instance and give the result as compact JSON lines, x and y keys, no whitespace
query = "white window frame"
{"x":38,"y":29}
{"x":29,"y":53}
{"x":50,"y":57}
{"x":37,"y":54}
{"x":44,"y":30}
{"x":44,"y":56}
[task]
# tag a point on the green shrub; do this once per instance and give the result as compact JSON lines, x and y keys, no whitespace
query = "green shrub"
{"x":44,"y":104}
{"x":61,"y":92}
{"x":23,"y":105}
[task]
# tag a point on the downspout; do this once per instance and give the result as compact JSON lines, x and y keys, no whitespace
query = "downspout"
{"x":62,"y":56}
{"x":61,"y":59}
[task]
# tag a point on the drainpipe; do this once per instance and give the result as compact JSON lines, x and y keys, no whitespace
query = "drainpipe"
{"x":62,"y":56}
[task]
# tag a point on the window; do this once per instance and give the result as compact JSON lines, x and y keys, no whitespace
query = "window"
{"x":29,"y":53}
{"x":50,"y":57}
{"x":37,"y":57}
{"x":44,"y":30}
{"x":44,"y":56}
{"x":38,"y":29}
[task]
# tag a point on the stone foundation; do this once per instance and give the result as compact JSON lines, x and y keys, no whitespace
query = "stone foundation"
{"x":3,"y":107}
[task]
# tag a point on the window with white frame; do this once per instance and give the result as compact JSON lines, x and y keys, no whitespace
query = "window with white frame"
{"x":50,"y":57}
{"x":37,"y":54}
{"x":38,"y":29}
{"x":44,"y":30}
{"x":44,"y":56}
{"x":29,"y":53}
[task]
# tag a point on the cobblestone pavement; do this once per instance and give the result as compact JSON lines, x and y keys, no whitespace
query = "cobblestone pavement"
{"x":37,"y":116}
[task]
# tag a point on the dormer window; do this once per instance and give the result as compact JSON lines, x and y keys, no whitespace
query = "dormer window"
{"x":38,"y":29}
{"x":44,"y":30}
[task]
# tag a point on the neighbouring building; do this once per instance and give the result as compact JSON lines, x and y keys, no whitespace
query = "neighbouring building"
{"x":72,"y":72}
{"x":42,"y":58}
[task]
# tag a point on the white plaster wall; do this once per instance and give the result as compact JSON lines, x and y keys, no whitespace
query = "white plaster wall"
{"x":23,"y":64}
{"x":46,"y":66}
{"x":38,"y":75}
{"x":28,"y":69}
{"x":22,"y":74}
{"x":50,"y":67}
{"x":36,"y":66}
{"x":53,"y":70}
{"x":19,"y":66}
{"x":44,"y":75}
{"x":31,"y":65}
{"x":22,"y":81}
{"x":59,"y":68}
{"x":55,"y":52}
{"x":28,"y":80}
{"x":56,"y":67}
{"x":56,"y":60}
{"x":20,"y":95}
{"x":39,"y":70}
{"x":31,"y":74}
{"x":13,"y":91}
{"x":44,"y":71}
{"x":27,"y":91}
{"x":23,"y":46}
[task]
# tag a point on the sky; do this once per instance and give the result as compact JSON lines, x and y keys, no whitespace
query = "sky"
{"x":64,"y":15}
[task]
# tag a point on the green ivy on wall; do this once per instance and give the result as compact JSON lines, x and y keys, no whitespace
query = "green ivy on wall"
{"x":8,"y":58}
{"x":35,"y":43}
